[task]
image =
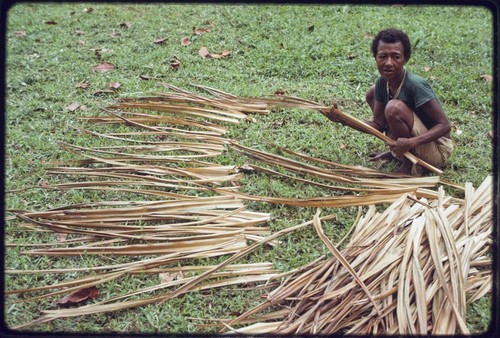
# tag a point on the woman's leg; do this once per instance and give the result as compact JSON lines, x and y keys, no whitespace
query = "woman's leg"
{"x":382,"y":155}
{"x":399,"y":119}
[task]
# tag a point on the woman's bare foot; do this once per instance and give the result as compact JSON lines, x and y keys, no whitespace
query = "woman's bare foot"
{"x":405,"y":168}
{"x":383,"y":155}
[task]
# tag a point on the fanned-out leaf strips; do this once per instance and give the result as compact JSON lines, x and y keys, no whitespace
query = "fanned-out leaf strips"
{"x":410,"y":269}
{"x":137,"y":159}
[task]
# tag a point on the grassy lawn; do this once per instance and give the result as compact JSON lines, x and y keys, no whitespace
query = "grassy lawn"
{"x":320,"y":53}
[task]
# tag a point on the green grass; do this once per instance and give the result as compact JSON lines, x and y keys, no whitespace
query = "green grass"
{"x":272,"y":48}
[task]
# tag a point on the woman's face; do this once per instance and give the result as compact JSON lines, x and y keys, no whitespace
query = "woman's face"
{"x":390,"y":59}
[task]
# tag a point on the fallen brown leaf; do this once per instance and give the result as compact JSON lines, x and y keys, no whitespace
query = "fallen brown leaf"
{"x":103,"y":91}
{"x":115,"y":85}
{"x":159,"y":41}
{"x":486,"y":77}
{"x":104,"y":67}
{"x":20,"y":34}
{"x":427,"y":68}
{"x":79,"y":296}
{"x":81,"y":43}
{"x":82,"y":85}
{"x":61,"y":237}
{"x":72,"y":107}
{"x":168,"y":277}
{"x":88,"y":10}
{"x":203,"y":52}
{"x":99,"y":51}
{"x":147,"y":77}
{"x":200,"y":30}
{"x":44,"y":183}
{"x":224,"y":54}
{"x":51,"y":22}
{"x":246,"y":168}
{"x":175,"y":64}
{"x":185,"y":41}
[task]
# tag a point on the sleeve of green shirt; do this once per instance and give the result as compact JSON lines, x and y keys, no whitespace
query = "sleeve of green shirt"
{"x":381,"y":90}
{"x":422,"y":92}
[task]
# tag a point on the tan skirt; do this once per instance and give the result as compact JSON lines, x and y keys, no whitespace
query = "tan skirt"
{"x":435,"y":153}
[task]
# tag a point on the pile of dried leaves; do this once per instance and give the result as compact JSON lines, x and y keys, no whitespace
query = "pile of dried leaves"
{"x":411,"y":268}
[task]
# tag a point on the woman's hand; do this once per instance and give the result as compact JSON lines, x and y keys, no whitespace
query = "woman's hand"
{"x":332,"y":114}
{"x":401,"y":145}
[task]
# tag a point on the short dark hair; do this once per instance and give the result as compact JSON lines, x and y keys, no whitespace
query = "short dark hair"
{"x":392,"y":35}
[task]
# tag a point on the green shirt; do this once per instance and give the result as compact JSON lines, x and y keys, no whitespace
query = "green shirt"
{"x":414,"y":93}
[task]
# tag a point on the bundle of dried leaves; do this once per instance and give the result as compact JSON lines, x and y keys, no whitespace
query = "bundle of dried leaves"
{"x":411,"y":269}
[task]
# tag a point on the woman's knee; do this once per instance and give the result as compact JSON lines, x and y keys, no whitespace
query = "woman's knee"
{"x":397,"y":109}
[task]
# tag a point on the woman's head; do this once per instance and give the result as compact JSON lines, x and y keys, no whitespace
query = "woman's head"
{"x":392,"y":35}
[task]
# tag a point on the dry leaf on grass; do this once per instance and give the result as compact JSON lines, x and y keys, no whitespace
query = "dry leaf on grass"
{"x":82,"y":85}
{"x":159,"y":41}
{"x":224,"y":54}
{"x":204,"y":53}
{"x":175,"y":63}
{"x":487,"y":78}
{"x":104,"y":67}
{"x":200,"y":30}
{"x":79,"y":296}
{"x":115,"y":85}
{"x":147,"y":77}
{"x":168,"y":276}
{"x":72,"y":107}
{"x":103,"y":92}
